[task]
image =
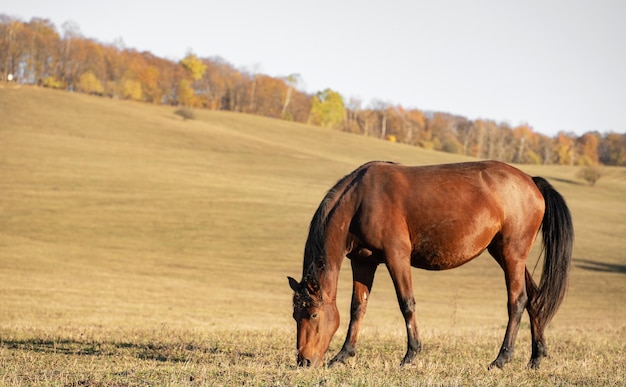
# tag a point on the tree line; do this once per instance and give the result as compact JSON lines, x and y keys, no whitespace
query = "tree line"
{"x":36,"y":53}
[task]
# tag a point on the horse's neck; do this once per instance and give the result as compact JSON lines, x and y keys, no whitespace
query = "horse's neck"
{"x":336,"y":219}
{"x":335,"y":252}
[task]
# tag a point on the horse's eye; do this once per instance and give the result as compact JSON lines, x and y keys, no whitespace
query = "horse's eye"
{"x":313,"y":316}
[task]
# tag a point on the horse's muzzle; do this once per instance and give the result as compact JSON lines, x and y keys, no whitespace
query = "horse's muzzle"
{"x":304,"y":361}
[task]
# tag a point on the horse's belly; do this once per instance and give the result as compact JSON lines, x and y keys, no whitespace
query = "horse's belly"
{"x":440,"y":262}
{"x":443,"y":254}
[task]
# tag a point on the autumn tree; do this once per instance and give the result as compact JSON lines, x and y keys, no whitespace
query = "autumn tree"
{"x":564,"y":150}
{"x":612,"y":149}
{"x":131,"y":89}
{"x":381,"y":111}
{"x":87,"y":56}
{"x":327,"y":109}
{"x":42,"y":58}
{"x":214,"y":86}
{"x":149,"y":78}
{"x":268,"y":97}
{"x":443,"y":129}
{"x":12,"y":46}
{"x":299,"y":107}
{"x":397,"y":123}
{"x":224,"y":87}
{"x":69,"y":67}
{"x":545,"y":148}
{"x":497,"y":140}
{"x":525,"y":141}
{"x":185,"y":93}
{"x":587,"y":149}
{"x":368,"y":121}
{"x":89,"y":84}
{"x":291,"y":81}
{"x":114,"y":69}
{"x":194,"y":66}
{"x":397,"y":128}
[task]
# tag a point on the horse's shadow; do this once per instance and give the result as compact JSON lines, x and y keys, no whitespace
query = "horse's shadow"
{"x":604,"y":267}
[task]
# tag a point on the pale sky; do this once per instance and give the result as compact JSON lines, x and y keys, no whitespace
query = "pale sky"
{"x":556,"y":65}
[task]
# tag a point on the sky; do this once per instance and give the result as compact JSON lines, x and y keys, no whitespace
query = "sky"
{"x":554,"y":65}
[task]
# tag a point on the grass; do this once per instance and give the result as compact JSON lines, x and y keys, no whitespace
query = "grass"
{"x":183,"y":357}
{"x":137,"y":248}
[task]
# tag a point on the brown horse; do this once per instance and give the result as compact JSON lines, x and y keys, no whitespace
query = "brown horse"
{"x":434,"y":218}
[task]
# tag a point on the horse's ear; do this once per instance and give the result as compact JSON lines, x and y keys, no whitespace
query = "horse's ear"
{"x":293,"y":284}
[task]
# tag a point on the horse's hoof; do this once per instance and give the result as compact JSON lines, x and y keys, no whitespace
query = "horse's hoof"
{"x":334,"y":362}
{"x":408,"y":358}
{"x":496,"y":364}
{"x":340,"y":358}
{"x":534,"y":364}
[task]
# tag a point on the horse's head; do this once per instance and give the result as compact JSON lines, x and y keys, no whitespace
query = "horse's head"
{"x":316,"y":321}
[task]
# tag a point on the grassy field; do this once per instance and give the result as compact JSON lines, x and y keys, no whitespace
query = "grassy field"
{"x":140,"y":249}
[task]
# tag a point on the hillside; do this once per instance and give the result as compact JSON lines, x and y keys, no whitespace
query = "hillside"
{"x":35,"y":53}
{"x":119,"y":214}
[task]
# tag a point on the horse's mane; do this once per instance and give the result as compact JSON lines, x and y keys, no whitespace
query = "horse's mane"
{"x":315,"y":257}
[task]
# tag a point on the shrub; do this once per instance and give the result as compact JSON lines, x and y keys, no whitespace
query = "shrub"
{"x":590,"y":174}
{"x":53,"y":83}
{"x":187,"y":114}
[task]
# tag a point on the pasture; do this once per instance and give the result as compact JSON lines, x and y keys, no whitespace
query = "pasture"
{"x":140,"y":249}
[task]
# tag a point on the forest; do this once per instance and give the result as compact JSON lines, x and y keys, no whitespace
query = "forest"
{"x":35,"y":52}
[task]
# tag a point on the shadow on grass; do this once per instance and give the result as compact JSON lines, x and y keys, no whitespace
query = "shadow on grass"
{"x":588,"y":264}
{"x":171,"y":352}
{"x":61,"y":346}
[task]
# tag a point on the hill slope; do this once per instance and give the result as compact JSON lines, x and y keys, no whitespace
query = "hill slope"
{"x":120,"y":214}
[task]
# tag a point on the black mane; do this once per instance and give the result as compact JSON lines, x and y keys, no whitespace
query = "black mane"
{"x":315,"y":257}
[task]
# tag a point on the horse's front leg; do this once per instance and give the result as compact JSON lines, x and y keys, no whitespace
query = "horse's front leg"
{"x":363,"y":278}
{"x":399,"y":267}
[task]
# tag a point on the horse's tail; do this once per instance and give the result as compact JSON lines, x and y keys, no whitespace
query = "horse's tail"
{"x":558,"y":238}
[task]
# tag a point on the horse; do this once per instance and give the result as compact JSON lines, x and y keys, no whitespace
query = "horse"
{"x":434,"y":217}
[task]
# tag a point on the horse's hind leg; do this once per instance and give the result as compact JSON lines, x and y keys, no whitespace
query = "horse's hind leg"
{"x":536,"y":327}
{"x":514,"y":265}
{"x":363,"y":278}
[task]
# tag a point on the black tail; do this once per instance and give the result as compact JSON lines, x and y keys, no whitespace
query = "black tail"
{"x":558,"y":238}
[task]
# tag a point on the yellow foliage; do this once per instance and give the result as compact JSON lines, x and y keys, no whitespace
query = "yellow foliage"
{"x":532,"y":158}
{"x":88,"y":83}
{"x":185,"y":93}
{"x":327,"y":109}
{"x":132,"y":89}
{"x":194,"y":66}
{"x":53,"y":83}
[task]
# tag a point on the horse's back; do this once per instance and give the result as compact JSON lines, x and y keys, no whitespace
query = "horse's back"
{"x":447,"y":187}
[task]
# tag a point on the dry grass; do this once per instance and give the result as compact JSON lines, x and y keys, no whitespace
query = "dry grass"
{"x":140,"y":249}
{"x":236,"y":357}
